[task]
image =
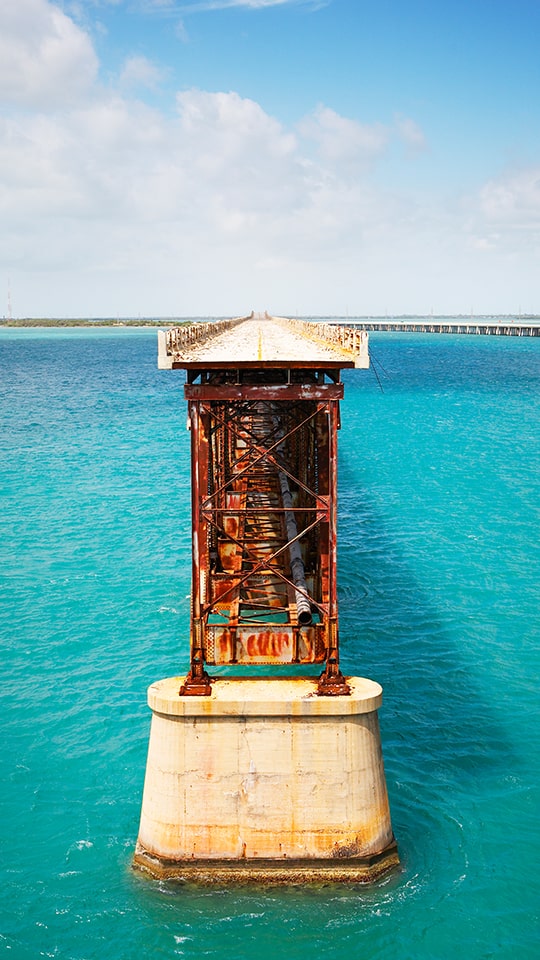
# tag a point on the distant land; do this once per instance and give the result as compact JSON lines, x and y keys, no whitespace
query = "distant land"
{"x":95,"y":322}
{"x":179,"y":321}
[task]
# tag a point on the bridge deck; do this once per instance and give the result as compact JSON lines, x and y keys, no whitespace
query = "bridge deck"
{"x":262,"y":341}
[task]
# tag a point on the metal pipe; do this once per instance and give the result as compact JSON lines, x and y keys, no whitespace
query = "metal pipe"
{"x":298,"y":576}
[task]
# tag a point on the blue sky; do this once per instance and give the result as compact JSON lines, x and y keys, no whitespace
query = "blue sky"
{"x":193,"y":158}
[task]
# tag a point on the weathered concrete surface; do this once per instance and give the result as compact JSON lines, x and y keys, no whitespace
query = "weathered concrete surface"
{"x":261,"y":340}
{"x":265,"y":781}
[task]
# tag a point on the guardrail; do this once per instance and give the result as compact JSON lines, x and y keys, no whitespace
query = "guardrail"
{"x":344,"y":338}
{"x":173,"y":343}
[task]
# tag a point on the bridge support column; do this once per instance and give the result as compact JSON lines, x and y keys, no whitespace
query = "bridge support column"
{"x":265,"y":782}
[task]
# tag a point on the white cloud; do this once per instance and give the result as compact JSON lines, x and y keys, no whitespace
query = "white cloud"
{"x":342,"y":143}
{"x":180,"y":31}
{"x":201,"y":6}
{"x":513,"y":199}
{"x":110,"y":206}
{"x":194,"y":5}
{"x":411,"y":133}
{"x":45,"y":60}
{"x":140,"y":72}
{"x":503,"y":219}
{"x":226,"y":125}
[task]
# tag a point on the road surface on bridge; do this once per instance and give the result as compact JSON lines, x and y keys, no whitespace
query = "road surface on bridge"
{"x":262,"y":340}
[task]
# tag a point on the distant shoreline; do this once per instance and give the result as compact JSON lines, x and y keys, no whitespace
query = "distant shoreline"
{"x":28,"y":322}
{"x":42,"y":322}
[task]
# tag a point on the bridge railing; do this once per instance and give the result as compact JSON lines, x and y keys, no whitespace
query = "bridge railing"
{"x":346,"y":339}
{"x":174,"y":343}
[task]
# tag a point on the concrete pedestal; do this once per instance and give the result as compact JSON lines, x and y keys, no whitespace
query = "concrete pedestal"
{"x":265,"y":780}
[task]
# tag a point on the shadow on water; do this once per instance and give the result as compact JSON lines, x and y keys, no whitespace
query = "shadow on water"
{"x":435,"y":713}
{"x":441,"y":722}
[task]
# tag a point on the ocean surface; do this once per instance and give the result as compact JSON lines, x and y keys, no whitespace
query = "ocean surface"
{"x":439,"y":591}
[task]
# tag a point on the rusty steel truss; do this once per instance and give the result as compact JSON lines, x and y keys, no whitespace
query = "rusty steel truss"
{"x":264,"y":516}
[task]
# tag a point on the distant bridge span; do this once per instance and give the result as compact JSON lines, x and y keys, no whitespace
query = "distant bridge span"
{"x":492,"y":327}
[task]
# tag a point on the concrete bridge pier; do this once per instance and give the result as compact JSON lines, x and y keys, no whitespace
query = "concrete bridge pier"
{"x":265,"y":782}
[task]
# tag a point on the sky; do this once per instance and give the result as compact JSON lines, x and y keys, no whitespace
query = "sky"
{"x":172,"y":158}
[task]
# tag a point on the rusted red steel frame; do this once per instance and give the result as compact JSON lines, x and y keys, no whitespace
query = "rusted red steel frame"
{"x":322,"y":504}
{"x":198,"y":682}
{"x":331,"y":681}
{"x":255,"y":439}
{"x":275,"y":391}
{"x":263,"y":455}
{"x":242,"y":543}
{"x":261,"y":565}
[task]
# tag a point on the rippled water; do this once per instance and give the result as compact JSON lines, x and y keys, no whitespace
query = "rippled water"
{"x":439,"y":562}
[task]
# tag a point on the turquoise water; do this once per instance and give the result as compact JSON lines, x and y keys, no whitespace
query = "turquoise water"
{"x":439,"y":562}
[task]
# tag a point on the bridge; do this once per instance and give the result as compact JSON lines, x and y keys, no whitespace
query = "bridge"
{"x":263,"y":398}
{"x":264,"y":761}
{"x":494,"y":327}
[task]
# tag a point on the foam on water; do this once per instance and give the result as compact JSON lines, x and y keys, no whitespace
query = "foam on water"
{"x":439,"y":560}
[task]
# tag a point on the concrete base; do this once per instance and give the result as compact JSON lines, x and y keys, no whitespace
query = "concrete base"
{"x":265,"y":781}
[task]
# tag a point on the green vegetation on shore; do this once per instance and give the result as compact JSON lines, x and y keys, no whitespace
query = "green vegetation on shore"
{"x":73,"y":322}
